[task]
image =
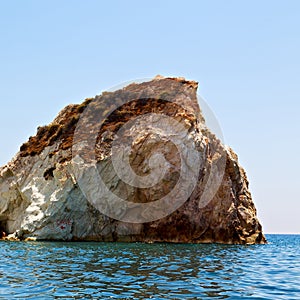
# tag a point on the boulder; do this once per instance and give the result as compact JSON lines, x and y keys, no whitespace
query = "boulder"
{"x":134,"y":165}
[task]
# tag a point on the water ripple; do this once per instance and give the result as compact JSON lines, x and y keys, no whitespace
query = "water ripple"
{"x":159,"y":271}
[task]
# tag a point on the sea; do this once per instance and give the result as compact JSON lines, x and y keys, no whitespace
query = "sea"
{"x":69,"y":270}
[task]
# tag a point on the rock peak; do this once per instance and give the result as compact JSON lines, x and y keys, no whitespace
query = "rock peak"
{"x":192,"y":83}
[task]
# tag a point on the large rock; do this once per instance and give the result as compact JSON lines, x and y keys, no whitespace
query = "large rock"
{"x":137,"y":164}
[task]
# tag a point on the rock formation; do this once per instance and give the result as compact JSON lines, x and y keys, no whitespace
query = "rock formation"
{"x":142,"y":143}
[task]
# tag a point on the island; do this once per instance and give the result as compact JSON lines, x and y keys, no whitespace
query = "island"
{"x":137,"y":164}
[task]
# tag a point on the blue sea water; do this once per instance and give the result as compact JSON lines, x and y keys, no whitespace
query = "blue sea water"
{"x":51,"y":270}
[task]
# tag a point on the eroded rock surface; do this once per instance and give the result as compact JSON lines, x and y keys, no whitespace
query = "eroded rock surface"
{"x":47,"y":192}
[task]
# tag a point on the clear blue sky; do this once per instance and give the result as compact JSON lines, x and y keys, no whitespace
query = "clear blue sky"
{"x":245,"y":55}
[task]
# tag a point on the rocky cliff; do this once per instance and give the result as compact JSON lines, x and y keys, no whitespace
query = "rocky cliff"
{"x":136,"y":164}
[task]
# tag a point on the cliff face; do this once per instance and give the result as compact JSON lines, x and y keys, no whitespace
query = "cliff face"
{"x":137,"y":164}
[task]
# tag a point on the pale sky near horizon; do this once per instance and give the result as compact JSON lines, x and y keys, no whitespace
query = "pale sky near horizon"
{"x":244,"y":54}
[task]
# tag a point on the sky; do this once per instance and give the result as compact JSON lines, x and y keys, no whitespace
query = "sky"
{"x":244,"y":54}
